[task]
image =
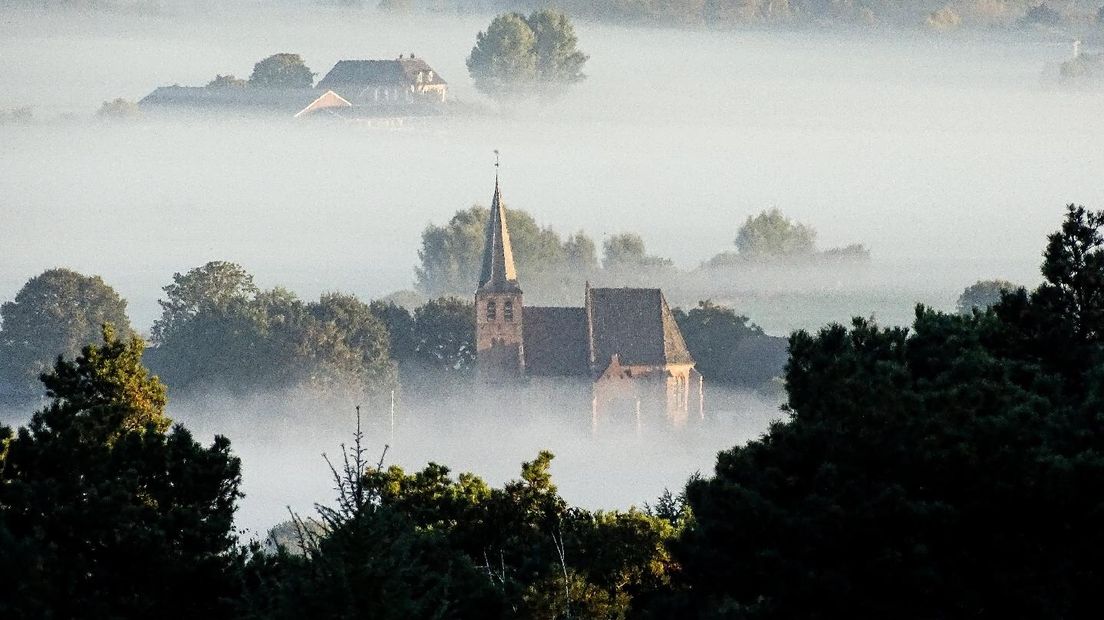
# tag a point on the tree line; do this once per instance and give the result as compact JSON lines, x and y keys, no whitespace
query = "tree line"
{"x":954,"y":469}
{"x":925,"y":14}
{"x":218,"y":331}
{"x":554,"y":267}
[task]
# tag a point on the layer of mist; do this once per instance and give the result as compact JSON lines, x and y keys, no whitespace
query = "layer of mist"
{"x":944,"y":156}
{"x":624,"y":461}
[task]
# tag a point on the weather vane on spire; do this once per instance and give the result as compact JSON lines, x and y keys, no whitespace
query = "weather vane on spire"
{"x":496,"y":159}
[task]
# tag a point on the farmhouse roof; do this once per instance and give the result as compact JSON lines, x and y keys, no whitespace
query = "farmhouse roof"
{"x":363,"y":73}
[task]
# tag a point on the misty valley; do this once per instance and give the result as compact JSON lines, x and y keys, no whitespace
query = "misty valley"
{"x":740,"y":309}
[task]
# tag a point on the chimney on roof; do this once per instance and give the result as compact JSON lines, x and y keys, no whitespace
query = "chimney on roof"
{"x":412,"y":55}
{"x":400,"y":56}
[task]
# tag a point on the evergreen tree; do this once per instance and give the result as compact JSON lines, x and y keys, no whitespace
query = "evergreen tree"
{"x":952,"y":470}
{"x":104,"y":514}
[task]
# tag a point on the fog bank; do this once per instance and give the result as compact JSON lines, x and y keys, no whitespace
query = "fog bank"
{"x":944,"y":156}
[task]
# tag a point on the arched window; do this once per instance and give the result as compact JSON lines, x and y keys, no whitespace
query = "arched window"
{"x":508,"y":310}
{"x":492,"y":311}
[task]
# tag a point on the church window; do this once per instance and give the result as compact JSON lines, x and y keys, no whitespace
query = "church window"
{"x":508,"y":310}
{"x":492,"y":311}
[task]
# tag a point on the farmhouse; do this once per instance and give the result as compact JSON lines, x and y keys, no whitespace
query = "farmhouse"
{"x":351,"y":89}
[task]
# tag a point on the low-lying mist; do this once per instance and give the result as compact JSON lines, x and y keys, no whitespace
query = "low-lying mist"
{"x":944,"y":155}
{"x":281,"y":438}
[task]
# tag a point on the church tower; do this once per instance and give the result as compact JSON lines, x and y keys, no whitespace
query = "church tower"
{"x":500,"y":354}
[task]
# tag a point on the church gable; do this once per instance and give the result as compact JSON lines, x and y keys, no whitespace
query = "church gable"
{"x":636,"y":325}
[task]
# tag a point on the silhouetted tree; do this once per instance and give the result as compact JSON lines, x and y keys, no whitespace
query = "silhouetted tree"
{"x":955,"y":469}
{"x":626,"y":251}
{"x":400,"y":328}
{"x":983,"y":294}
{"x":119,"y":109}
{"x":105,"y":515}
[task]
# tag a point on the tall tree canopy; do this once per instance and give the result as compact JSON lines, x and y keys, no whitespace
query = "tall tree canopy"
{"x":55,"y":313}
{"x":520,"y":55}
{"x":282,"y":70}
{"x":218,"y":329}
{"x":952,"y":470}
{"x":104,"y":514}
{"x":444,"y":335}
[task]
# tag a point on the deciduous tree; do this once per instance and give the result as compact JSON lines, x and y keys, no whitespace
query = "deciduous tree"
{"x":983,"y":294}
{"x":519,"y":56}
{"x":55,"y":313}
{"x":282,"y":70}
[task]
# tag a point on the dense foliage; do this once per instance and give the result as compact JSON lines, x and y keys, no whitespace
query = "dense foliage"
{"x":730,"y":350}
{"x":952,"y":470}
{"x":104,"y":514}
{"x":216,"y":325}
{"x":282,"y":71}
{"x":519,"y":55}
{"x":983,"y":294}
{"x":55,"y":313}
{"x":427,"y":545}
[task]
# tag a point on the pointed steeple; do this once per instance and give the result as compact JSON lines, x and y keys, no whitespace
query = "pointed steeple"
{"x":498,"y":273}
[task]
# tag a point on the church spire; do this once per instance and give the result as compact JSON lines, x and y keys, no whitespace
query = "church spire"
{"x":498,"y":271}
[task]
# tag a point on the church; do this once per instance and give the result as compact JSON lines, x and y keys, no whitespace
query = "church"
{"x":622,"y":350}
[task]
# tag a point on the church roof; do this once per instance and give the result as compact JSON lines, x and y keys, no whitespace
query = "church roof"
{"x":498,"y":273}
{"x":555,"y":341}
{"x":635,"y":324}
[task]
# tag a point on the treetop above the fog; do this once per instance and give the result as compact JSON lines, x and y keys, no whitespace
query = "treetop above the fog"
{"x":983,"y":294}
{"x":55,"y":313}
{"x":282,"y":70}
{"x":519,"y":55}
{"x":218,"y":284}
{"x":771,"y":234}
